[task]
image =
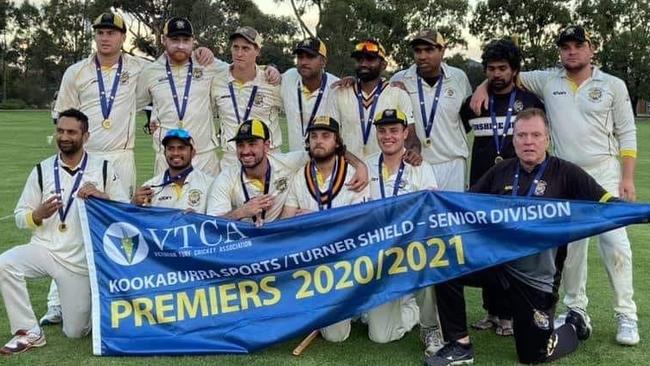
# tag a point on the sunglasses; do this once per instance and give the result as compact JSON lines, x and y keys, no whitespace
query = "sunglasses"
{"x":369,"y":47}
{"x":178,"y":133}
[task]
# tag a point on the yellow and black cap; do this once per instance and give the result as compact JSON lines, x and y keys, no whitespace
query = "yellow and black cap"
{"x":390,"y":116}
{"x":312,"y":46}
{"x":178,"y":26}
{"x":178,"y":134}
{"x":573,"y":33}
{"x":429,"y":37}
{"x":110,"y":20}
{"x":369,"y":47}
{"x":252,"y":129}
{"x":324,"y":123}
{"x":250,"y":34}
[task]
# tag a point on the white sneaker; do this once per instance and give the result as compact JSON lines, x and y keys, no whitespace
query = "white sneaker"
{"x":628,"y":331}
{"x":432,"y":339}
{"x":53,"y":316}
{"x":560,"y":320}
{"x":23,"y":341}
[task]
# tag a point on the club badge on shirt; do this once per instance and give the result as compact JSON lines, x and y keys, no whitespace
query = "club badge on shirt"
{"x":540,"y":189}
{"x":595,"y":94}
{"x":281,"y":184}
{"x":194,"y":197}
{"x":124,"y":78}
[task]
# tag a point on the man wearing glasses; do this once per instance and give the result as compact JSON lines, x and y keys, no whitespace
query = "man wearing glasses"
{"x":180,"y":186}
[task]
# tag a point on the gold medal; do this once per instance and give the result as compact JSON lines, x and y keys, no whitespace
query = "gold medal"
{"x":180,"y":124}
{"x":63,"y":227}
{"x":427,"y":142}
{"x":106,"y":123}
{"x":498,"y":159}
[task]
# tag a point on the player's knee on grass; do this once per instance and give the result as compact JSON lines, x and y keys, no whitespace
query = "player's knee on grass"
{"x":337,"y":332}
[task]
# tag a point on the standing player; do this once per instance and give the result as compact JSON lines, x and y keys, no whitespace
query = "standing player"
{"x":437,"y":92}
{"x":356,"y":107}
{"x":390,"y":176}
{"x":592,"y":125}
{"x":493,"y":141}
{"x":306,"y":89}
{"x":48,"y":206}
{"x":180,"y":89}
{"x":242,"y":93}
{"x":181,"y":185}
{"x":321,"y":187}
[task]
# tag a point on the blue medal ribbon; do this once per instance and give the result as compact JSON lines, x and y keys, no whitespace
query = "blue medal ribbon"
{"x":321,"y":91}
{"x":398,"y":179}
{"x":366,"y":125}
{"x":168,"y":179}
{"x":267,"y":185}
{"x":107,"y":103}
{"x":428,"y":123}
{"x":330,"y":189}
{"x":533,"y":185}
{"x":251,"y":99}
{"x":499,"y":143}
{"x":180,"y":110}
{"x":63,"y":213}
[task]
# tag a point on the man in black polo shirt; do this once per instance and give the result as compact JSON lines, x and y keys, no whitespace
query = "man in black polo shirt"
{"x":526,"y":283}
{"x":493,"y":142}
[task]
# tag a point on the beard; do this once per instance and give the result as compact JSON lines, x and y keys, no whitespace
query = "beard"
{"x":69,"y":147}
{"x":499,"y":85}
{"x":321,"y":155}
{"x":250,"y":165}
{"x":366,"y":75}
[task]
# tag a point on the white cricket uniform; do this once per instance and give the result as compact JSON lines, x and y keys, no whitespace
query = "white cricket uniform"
{"x":344,"y":107}
{"x":50,"y":252}
{"x":448,"y":149}
{"x":301,"y":198}
{"x":227,"y":193}
{"x":390,"y":321}
{"x":79,"y":90}
{"x":193,"y":194}
{"x":266,"y":107}
{"x":291,"y":83}
{"x":591,"y":126}
{"x":199,"y":114}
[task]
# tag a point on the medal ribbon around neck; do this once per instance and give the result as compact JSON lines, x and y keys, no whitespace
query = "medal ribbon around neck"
{"x":249,"y":107}
{"x":321,"y":91}
{"x":107,"y":103}
{"x":168,"y":179}
{"x":428,"y":123}
{"x":533,"y":185}
{"x":366,"y":125}
{"x":398,"y":179}
{"x":180,"y":110}
{"x":267,"y":185}
{"x":63,"y":213}
{"x":337,"y":180}
{"x":499,"y":143}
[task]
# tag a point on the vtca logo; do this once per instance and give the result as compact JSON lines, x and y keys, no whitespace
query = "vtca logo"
{"x":124,"y":244}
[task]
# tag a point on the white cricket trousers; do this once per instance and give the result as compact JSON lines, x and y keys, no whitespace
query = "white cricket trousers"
{"x":615,"y":252}
{"x":31,"y":261}
{"x":450,"y":176}
{"x":123,"y":163}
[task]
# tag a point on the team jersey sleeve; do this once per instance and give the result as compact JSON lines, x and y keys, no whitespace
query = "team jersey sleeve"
{"x":624,"y":125}
{"x":467,"y":87}
{"x":583,"y":186}
{"x":466,"y":114}
{"x":331,"y":108}
{"x":219,"y":201}
{"x":143,"y":96}
{"x":428,"y":179}
{"x":29,"y":201}
{"x":534,"y":81}
{"x":294,"y":189}
{"x":68,"y":94}
{"x":399,"y":76}
{"x":405,"y":105}
{"x":485,"y":183}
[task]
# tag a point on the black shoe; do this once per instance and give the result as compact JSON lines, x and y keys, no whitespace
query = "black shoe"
{"x":580,"y":322}
{"x":453,"y":353}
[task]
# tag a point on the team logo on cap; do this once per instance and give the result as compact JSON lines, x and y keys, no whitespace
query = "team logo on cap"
{"x":519,"y":106}
{"x":595,"y":94}
{"x":322,"y":120}
{"x":197,"y":73}
{"x":194,"y":197}
{"x":541,"y":320}
{"x":569,"y":31}
{"x":540,"y":188}
{"x":124,"y":244}
{"x":245,"y":128}
{"x":180,"y":24}
{"x":389,"y":113}
{"x":281,"y":184}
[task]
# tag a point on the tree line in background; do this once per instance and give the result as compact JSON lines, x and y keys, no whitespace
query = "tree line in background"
{"x":39,"y":42}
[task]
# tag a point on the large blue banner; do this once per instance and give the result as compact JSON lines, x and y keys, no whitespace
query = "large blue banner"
{"x":184,"y":283}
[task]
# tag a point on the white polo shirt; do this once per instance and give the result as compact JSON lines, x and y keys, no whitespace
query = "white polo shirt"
{"x":448,"y":139}
{"x":291,"y":83}
{"x":589,"y":123}
{"x":266,"y":106}
{"x":66,"y":247}
{"x":79,"y":89}
{"x":414,"y":178}
{"x":344,"y":107}
{"x":199,"y":114}
{"x":227,"y":192}
{"x":301,"y":198}
{"x":192,"y":194}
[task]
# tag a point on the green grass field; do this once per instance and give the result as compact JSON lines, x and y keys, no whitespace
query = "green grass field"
{"x":25,"y":144}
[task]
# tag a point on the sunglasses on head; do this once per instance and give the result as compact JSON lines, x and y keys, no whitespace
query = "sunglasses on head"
{"x":179,"y":133}
{"x":369,"y":47}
